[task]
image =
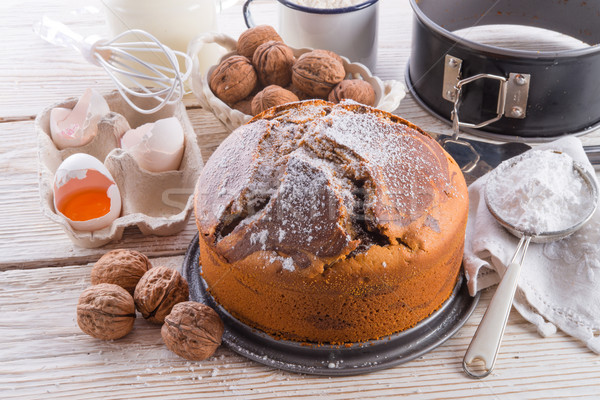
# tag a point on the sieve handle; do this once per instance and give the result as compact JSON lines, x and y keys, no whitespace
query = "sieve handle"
{"x":486,"y":341}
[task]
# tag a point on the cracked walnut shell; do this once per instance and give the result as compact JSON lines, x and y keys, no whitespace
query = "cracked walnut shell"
{"x":105,"y":311}
{"x":158,"y":291}
{"x":192,"y":330}
{"x":316,"y":73}
{"x":354,"y":89}
{"x":233,"y":79}
{"x":271,"y":96}
{"x":251,"y":38}
{"x":121,"y":267}
{"x":273,"y":62}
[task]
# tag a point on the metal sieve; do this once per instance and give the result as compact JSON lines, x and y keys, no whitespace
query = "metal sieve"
{"x":488,"y":337}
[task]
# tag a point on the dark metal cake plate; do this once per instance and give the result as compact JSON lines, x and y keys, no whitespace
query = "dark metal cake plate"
{"x":334,"y":360}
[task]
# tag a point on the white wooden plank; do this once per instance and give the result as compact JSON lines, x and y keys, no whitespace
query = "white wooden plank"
{"x":43,"y":353}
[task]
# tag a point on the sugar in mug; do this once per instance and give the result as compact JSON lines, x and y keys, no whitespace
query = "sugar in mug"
{"x":350,"y":31}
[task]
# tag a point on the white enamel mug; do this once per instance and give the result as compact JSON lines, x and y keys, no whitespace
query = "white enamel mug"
{"x":349,"y":31}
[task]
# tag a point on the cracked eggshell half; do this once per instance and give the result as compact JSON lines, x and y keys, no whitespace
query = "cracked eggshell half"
{"x":156,"y":203}
{"x":156,"y":146}
{"x":85,"y":193}
{"x":78,"y":126}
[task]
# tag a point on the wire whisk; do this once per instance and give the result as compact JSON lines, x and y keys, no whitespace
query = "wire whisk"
{"x":125,"y":59}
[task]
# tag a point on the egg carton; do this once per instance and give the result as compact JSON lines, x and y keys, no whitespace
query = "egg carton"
{"x":388,"y":94}
{"x":157,"y":203}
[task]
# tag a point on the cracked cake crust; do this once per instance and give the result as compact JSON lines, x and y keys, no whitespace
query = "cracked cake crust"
{"x":330,"y":223}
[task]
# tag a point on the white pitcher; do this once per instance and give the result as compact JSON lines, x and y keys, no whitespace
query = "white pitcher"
{"x":174,"y":22}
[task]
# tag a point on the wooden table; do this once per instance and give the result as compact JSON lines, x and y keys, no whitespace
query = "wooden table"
{"x":43,"y":354}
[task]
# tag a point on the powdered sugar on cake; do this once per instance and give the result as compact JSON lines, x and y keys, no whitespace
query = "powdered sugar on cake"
{"x":324,"y":182}
{"x":287,"y":263}
{"x":259,"y":238}
{"x":382,"y":145}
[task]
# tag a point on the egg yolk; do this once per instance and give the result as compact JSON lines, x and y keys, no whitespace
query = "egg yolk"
{"x":86,"y":205}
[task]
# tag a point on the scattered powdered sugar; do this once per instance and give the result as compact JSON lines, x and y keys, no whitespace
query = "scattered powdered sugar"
{"x":287,"y":263}
{"x":328,"y":3}
{"x":260,"y":237}
{"x":320,"y":177}
{"x":409,"y":170}
{"x":306,"y":205}
{"x":281,"y":235}
{"x":539,"y":191}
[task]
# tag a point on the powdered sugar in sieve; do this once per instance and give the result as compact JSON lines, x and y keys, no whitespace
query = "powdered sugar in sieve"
{"x":539,"y":196}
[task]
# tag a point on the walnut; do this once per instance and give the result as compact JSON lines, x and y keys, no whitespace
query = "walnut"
{"x":329,"y":53}
{"x":317,"y":73}
{"x":233,"y":79}
{"x":273,"y":62}
{"x":158,"y":291}
{"x":245,"y":105}
{"x":254,"y":37}
{"x":271,"y":96}
{"x":192,"y":330}
{"x":105,"y":311}
{"x":300,"y":94}
{"x":354,"y":89}
{"x":122,"y":267}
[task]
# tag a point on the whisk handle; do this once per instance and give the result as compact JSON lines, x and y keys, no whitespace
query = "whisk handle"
{"x":59,"y":34}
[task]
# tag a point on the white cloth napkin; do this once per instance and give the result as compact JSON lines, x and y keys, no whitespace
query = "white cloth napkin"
{"x":559,"y":286}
